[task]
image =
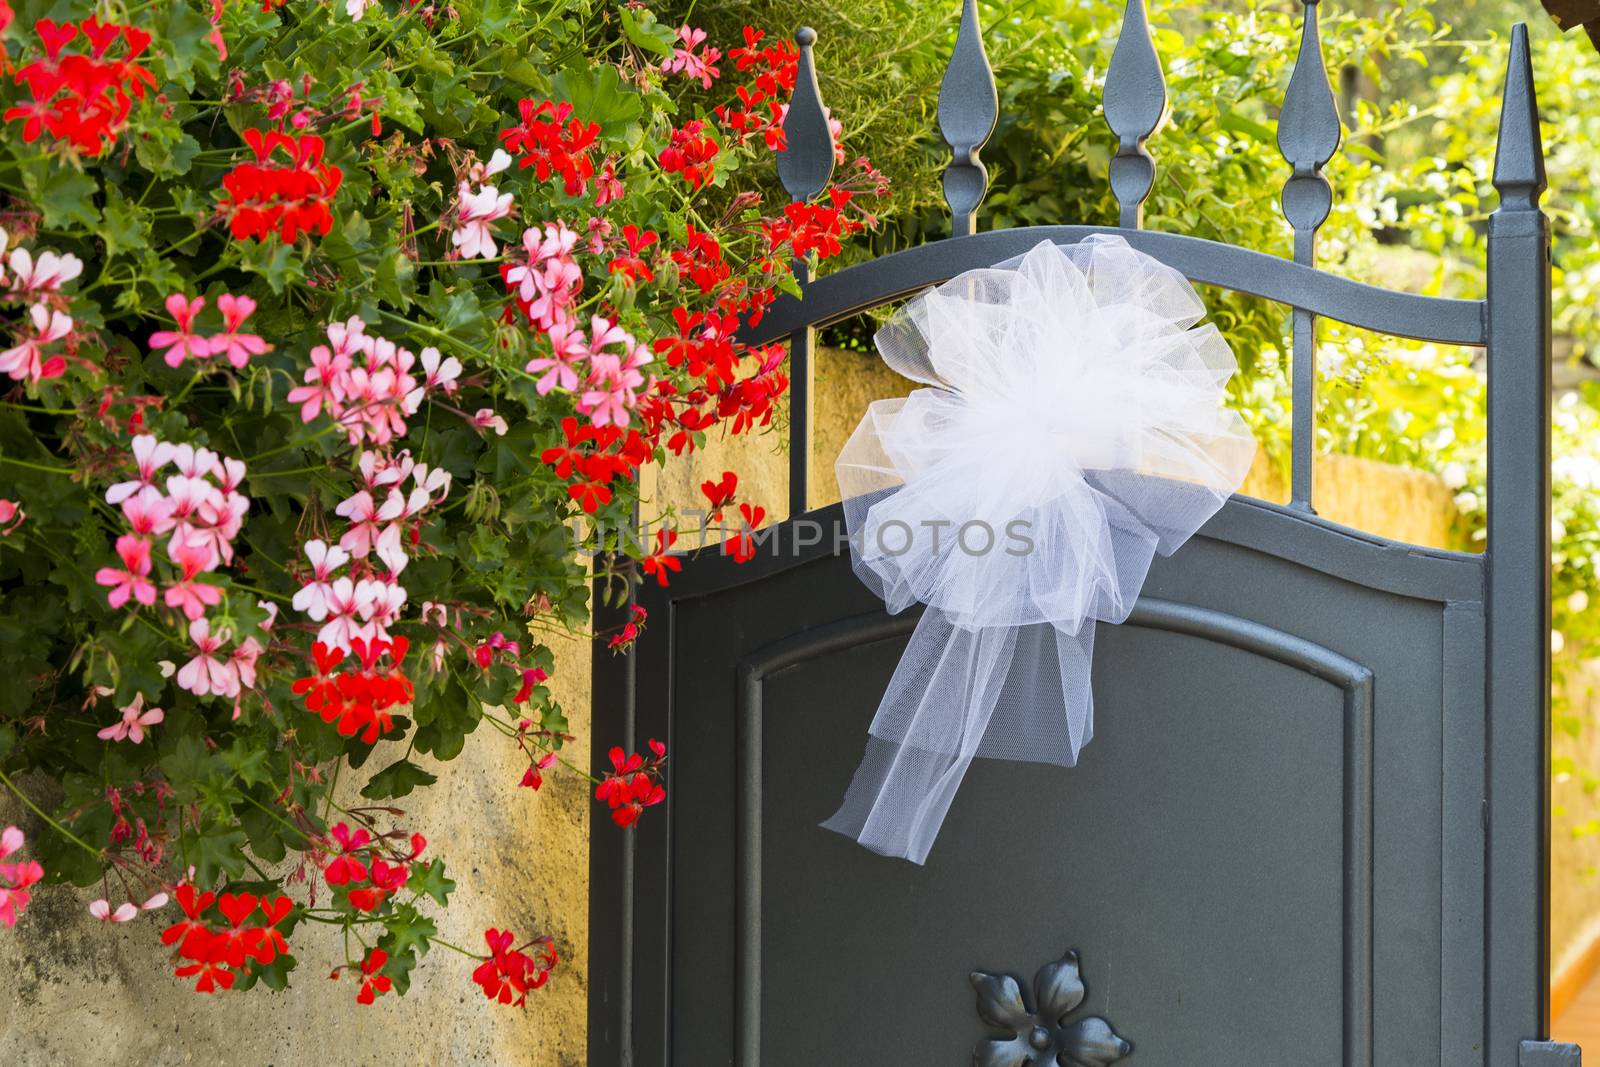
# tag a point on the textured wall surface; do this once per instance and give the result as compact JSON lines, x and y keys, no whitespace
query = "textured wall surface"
{"x":79,"y":992}
{"x":76,"y":991}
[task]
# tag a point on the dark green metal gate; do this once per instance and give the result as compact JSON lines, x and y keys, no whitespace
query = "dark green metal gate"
{"x":1312,"y":828}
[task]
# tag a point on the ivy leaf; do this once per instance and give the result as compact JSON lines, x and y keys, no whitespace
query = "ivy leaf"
{"x":264,"y":832}
{"x":274,"y":975}
{"x":64,"y":196}
{"x":125,"y":228}
{"x":217,"y":851}
{"x":186,"y":32}
{"x":274,"y":261}
{"x":408,"y":930}
{"x":430,"y":879}
{"x":166,"y":151}
{"x":189,"y":764}
{"x":396,"y":780}
{"x":394,"y":280}
{"x":599,"y":96}
{"x":249,"y":762}
{"x":399,"y":969}
{"x":644,"y":31}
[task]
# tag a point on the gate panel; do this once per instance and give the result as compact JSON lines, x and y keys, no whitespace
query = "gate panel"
{"x":1258,"y":850}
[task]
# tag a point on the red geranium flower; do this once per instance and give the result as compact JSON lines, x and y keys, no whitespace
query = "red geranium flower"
{"x":373,"y":983}
{"x":660,"y":562}
{"x":267,"y":197}
{"x":509,"y":973}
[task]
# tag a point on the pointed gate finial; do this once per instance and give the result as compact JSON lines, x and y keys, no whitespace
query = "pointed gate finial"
{"x":1308,"y":136}
{"x":1135,"y":101}
{"x":806,"y":163}
{"x":969,"y":104}
{"x":1519,"y":159}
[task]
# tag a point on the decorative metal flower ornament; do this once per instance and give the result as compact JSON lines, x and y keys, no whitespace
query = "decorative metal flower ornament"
{"x":1043,"y":1037}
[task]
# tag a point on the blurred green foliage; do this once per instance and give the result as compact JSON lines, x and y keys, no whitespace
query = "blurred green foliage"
{"x":1419,"y":87}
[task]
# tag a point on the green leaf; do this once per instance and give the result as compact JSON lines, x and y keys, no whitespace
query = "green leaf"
{"x":65,"y":196}
{"x":273,"y":260}
{"x":396,"y":780}
{"x":645,"y":32}
{"x":265,"y":834}
{"x":429,"y":879}
{"x":598,"y":95}
{"x":166,"y":151}
{"x":409,"y":930}
{"x":274,"y":975}
{"x":125,"y":228}
{"x":217,"y":852}
{"x":190,"y":764}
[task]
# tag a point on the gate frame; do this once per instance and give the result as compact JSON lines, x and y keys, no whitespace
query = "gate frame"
{"x":1513,"y":323}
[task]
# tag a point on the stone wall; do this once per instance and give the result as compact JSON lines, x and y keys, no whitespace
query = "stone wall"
{"x":79,"y":992}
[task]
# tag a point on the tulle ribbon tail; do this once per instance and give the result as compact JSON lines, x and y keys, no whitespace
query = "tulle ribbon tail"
{"x":1006,"y":692}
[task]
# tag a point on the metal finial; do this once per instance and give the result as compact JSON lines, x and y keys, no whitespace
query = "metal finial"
{"x":1519,"y":159}
{"x":1135,"y":101}
{"x":1308,"y":136}
{"x":806,"y":163}
{"x":969,"y":104}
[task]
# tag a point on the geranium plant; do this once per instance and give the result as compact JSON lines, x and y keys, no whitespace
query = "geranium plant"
{"x":326,"y":321}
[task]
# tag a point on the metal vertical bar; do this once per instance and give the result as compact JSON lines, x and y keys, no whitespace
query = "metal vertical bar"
{"x":805,"y":167}
{"x":969,"y":105}
{"x":1135,"y":103}
{"x":802,"y":379}
{"x":1308,"y":136}
{"x":1517,"y":968}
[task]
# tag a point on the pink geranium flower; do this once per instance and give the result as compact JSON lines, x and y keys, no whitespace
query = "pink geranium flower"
{"x":193,"y":556}
{"x":148,"y":512}
{"x":133,"y":722}
{"x":149,"y":456}
{"x":474,"y":212}
{"x":559,"y":370}
{"x":686,"y":61}
{"x":184,"y":342}
{"x":11,"y":516}
{"x":341,"y":625}
{"x":15,"y":878}
{"x":133,"y":580}
{"x":26,"y":359}
{"x":362,"y":511}
{"x":243,"y":662}
{"x":238,"y":347}
{"x":206,"y":672}
{"x":101,"y":909}
{"x":314,"y":597}
{"x":486,"y":419}
{"x":324,"y":382}
{"x":47,"y":275}
{"x":439,"y":374}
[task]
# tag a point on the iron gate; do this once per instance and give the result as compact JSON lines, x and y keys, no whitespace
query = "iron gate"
{"x":1313,"y":825}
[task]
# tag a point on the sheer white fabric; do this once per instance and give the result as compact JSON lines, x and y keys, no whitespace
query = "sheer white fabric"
{"x":1073,"y":425}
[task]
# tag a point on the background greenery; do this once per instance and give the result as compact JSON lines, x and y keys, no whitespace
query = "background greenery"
{"x":1419,"y":87}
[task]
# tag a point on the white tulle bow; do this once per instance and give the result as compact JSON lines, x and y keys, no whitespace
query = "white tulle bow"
{"x":1073,"y":426}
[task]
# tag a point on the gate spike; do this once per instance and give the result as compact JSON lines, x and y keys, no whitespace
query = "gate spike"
{"x":1308,"y":136}
{"x":969,"y":105}
{"x":1519,"y":158}
{"x":806,"y":163}
{"x":1135,"y":102}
